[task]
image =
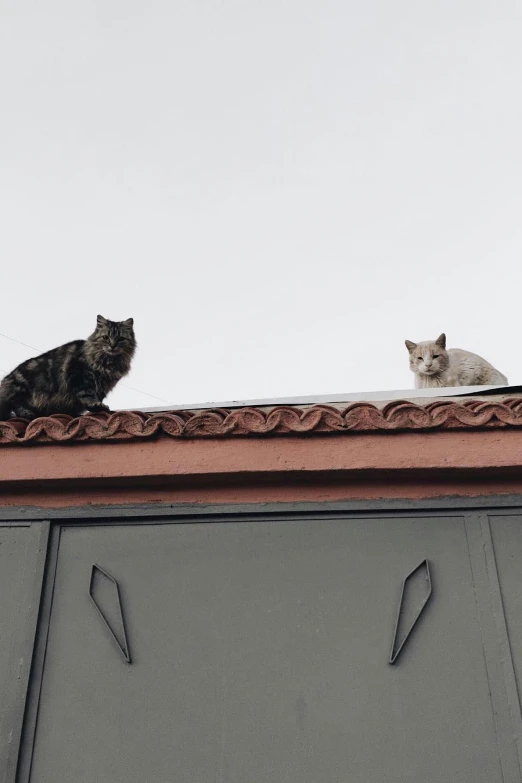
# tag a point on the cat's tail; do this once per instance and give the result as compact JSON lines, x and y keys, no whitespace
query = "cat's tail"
{"x":5,"y":402}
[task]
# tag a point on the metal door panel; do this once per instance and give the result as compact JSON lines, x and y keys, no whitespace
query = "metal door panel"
{"x":260,"y":653}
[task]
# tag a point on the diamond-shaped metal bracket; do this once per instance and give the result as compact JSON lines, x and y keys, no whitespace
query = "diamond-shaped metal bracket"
{"x":396,"y":651}
{"x":123,"y":645}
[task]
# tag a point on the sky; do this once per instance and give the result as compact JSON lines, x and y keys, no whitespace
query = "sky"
{"x":279,"y":192}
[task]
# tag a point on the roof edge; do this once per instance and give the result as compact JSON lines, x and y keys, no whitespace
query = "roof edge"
{"x":357,"y":417}
{"x":326,"y":399}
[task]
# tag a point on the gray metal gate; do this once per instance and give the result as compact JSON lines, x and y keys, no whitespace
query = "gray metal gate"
{"x":283,"y":647}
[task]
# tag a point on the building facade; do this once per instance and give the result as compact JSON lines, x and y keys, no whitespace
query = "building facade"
{"x":294,"y":593}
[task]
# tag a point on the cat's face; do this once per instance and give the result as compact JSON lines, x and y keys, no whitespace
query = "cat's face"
{"x":114,"y":337}
{"x":428,"y":358}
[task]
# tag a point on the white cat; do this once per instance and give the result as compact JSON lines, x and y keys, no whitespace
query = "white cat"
{"x":433,"y":365}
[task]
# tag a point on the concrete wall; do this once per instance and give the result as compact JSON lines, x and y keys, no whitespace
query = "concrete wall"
{"x":257,"y":469}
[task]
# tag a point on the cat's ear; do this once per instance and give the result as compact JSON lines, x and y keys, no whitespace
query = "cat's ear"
{"x":101,"y":321}
{"x":441,"y":341}
{"x":410,"y":346}
{"x":129,"y":322}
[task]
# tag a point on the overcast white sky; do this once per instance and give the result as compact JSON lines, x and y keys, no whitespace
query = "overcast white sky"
{"x":278,"y":191}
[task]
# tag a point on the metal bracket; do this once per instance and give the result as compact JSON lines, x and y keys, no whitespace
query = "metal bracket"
{"x":123,"y":648}
{"x":394,"y":653}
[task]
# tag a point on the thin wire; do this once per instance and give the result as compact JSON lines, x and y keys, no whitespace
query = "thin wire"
{"x":154,"y":396}
{"x":19,"y":342}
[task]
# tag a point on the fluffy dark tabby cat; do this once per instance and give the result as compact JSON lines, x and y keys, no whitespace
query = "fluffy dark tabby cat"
{"x":73,"y":378}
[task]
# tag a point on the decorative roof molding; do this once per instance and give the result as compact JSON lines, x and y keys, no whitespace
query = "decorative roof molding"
{"x":360,"y":417}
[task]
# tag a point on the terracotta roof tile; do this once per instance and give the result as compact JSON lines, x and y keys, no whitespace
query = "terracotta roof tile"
{"x":399,"y":415}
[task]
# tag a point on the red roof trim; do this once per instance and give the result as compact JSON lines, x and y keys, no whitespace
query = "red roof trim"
{"x":398,"y":415}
